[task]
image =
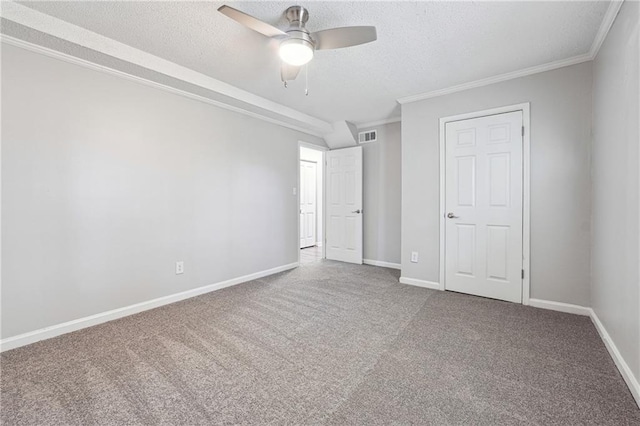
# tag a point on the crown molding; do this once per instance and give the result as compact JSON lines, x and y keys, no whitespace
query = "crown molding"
{"x":605,"y":26}
{"x":496,"y":79}
{"x":82,"y":37}
{"x":378,"y":122}
{"x":308,"y":124}
{"x":100,"y":68}
{"x":601,"y":35}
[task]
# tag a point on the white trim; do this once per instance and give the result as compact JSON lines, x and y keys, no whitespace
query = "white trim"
{"x":443,"y":200}
{"x":526,"y":193}
{"x":322,"y":150}
{"x":420,"y":283}
{"x":381,"y":263}
{"x":88,"y":39}
{"x":526,"y":204}
{"x":78,"y":324}
{"x":77,"y":35}
{"x":297,"y":194}
{"x":323,"y":245}
{"x":623,"y":367}
{"x":304,"y":144}
{"x":496,"y":79}
{"x":100,"y":68}
{"x":368,"y":124}
{"x":560,"y":307}
{"x":605,"y":26}
{"x":603,"y":30}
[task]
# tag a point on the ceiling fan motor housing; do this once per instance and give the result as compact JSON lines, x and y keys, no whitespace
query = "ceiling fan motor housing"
{"x":297,"y":14}
{"x":300,"y":35}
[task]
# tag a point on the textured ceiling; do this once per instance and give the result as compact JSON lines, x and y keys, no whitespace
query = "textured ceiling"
{"x":421,"y":46}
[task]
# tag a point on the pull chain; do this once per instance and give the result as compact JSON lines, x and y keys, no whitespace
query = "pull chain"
{"x":306,"y":80}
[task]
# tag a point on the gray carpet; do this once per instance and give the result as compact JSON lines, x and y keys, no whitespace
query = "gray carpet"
{"x":327,"y":343}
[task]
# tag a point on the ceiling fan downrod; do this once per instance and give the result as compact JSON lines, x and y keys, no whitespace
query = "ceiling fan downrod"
{"x":297,"y":16}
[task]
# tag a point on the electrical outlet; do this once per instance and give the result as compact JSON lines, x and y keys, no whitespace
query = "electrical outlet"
{"x":180,"y":267}
{"x":295,"y":191}
{"x":414,"y":256}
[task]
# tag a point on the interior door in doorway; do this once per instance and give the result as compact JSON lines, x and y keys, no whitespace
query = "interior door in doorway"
{"x":483,"y":205}
{"x":344,"y":205}
{"x":308,"y":203}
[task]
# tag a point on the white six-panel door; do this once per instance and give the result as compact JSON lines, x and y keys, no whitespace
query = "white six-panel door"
{"x":308,"y":213}
{"x":483,"y":199}
{"x":344,"y":205}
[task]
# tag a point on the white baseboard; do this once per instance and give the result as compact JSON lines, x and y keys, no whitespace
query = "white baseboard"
{"x":319,"y":243}
{"x":77,"y":324}
{"x":623,"y":367}
{"x":560,"y":307}
{"x":381,"y":263}
{"x":420,"y":283}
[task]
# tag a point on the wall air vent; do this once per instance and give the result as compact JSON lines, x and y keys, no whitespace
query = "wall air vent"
{"x":368,"y":136}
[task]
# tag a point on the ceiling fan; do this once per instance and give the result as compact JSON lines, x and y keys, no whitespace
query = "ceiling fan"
{"x":297,"y":43}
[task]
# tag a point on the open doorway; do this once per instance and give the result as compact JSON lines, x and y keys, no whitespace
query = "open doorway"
{"x":311,"y":203}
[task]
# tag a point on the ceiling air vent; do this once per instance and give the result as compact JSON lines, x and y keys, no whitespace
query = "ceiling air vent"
{"x":368,"y":136}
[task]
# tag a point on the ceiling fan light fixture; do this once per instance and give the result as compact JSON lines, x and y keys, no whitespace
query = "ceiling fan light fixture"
{"x":299,"y":45}
{"x":296,"y":51}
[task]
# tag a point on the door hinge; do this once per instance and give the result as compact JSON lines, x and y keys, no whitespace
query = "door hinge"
{"x":522,"y":130}
{"x":523,"y":274}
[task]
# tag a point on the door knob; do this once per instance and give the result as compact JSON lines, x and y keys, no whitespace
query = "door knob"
{"x":356,"y":211}
{"x":451,"y":216}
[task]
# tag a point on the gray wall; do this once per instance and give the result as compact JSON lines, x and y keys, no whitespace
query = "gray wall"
{"x":381,"y":195}
{"x":615,"y":288}
{"x":560,"y":188}
{"x":106,"y":183}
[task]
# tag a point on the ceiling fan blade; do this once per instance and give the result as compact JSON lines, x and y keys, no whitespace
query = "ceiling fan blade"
{"x":336,"y":38}
{"x":288,"y":72}
{"x":249,"y":21}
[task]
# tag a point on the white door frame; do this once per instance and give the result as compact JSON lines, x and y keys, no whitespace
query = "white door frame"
{"x":315,"y":203}
{"x":526,"y":213}
{"x":322,"y":149}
